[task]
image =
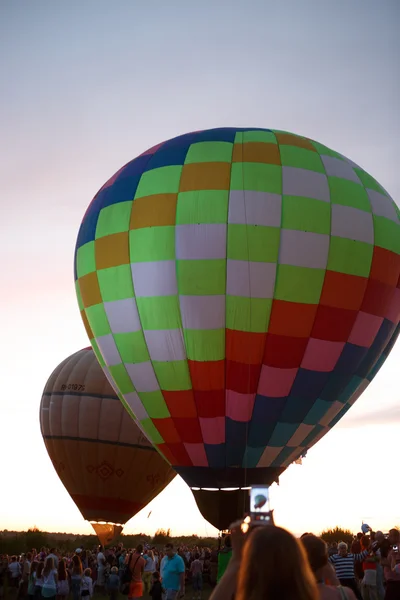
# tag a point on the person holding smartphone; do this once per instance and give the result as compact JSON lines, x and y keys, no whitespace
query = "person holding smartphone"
{"x":267,"y":562}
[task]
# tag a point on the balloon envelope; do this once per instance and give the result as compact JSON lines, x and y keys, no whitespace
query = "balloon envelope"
{"x":107,"y":465}
{"x":239,"y":286}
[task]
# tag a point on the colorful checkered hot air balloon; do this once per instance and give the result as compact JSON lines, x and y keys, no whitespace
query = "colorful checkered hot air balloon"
{"x":240,"y":289}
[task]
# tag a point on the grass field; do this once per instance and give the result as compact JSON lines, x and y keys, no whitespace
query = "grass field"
{"x":11,"y":594}
{"x":188,"y":595}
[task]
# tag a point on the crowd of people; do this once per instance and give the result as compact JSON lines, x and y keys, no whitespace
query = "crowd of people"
{"x":266,"y":562}
{"x":144,"y":571}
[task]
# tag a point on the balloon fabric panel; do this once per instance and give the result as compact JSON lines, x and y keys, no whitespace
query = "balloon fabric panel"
{"x":239,"y":286}
{"x":107,"y":532}
{"x":221,"y":508}
{"x":107,"y":465}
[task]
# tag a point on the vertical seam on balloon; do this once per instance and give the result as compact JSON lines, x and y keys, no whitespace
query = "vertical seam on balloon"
{"x":66,"y":364}
{"x":275,"y":283}
{"x":326,"y":268}
{"x":96,"y":445}
{"x":75,"y":361}
{"x":244,"y":457}
{"x":305,"y":449}
{"x":151,"y":156}
{"x":365,"y":291}
{"x":226,"y":285}
{"x":81,"y":358}
{"x":102,"y":301}
{"x":330,"y":238}
{"x":79,"y":436}
{"x":119,"y":450}
{"x":323,"y":283}
{"x":178,"y":300}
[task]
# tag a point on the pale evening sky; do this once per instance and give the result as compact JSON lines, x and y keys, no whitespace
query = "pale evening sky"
{"x":87,"y":86}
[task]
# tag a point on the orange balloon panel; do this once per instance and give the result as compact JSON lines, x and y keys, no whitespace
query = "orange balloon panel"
{"x":107,"y":465}
{"x":106,"y":532}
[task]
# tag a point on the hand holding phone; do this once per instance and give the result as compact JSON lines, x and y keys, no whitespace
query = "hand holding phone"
{"x":238,"y":538}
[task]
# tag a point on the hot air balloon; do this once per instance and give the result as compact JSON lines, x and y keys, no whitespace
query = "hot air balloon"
{"x":107,"y":465}
{"x":240,"y":287}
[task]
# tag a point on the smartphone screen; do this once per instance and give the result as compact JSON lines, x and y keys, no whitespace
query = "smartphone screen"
{"x":259,"y":504}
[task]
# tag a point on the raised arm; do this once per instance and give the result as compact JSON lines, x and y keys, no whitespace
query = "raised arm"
{"x":226,"y":587}
{"x":360,"y":557}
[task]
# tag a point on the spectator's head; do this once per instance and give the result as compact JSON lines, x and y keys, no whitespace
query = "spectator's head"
{"x":114,"y":570}
{"x":365,"y":542}
{"x":76,"y":564}
{"x":379,"y":537}
{"x":227,"y":541}
{"x":39,"y":570}
{"x":197,"y":556}
{"x":169,"y":549}
{"x":275,"y":565}
{"x":156,"y":576}
{"x":394,"y":537}
{"x":48,"y":565}
{"x":139,"y":548}
{"x":62,"y":569}
{"x":359,"y":535}
{"x":34,"y":567}
{"x":342,"y":548}
{"x":317,"y":553}
{"x":87,"y":572}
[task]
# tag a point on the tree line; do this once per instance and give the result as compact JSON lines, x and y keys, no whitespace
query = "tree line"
{"x":17,"y":542}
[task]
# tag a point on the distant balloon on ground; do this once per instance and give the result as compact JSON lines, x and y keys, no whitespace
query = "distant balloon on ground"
{"x":240,"y":288}
{"x":107,"y":465}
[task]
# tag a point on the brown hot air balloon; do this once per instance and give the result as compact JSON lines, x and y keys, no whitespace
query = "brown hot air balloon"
{"x":109,"y":468}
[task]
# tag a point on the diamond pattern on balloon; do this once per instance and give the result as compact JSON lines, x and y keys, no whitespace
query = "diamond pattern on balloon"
{"x":104,"y":470}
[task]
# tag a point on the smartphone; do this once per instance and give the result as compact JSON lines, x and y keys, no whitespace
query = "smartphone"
{"x":259,"y":505}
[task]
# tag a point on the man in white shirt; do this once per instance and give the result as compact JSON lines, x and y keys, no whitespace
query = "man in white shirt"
{"x":54,"y":556}
{"x":15,"y":571}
